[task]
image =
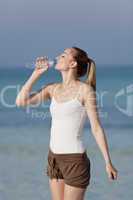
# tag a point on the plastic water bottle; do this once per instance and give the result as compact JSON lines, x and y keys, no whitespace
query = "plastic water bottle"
{"x":52,"y":62}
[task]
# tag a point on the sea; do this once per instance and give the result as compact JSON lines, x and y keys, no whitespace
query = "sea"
{"x":25,"y":135}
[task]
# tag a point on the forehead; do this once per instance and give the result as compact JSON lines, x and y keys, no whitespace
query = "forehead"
{"x":69,"y":51}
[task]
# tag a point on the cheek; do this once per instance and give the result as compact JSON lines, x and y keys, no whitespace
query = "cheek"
{"x":61,"y":63}
{"x":61,"y":66}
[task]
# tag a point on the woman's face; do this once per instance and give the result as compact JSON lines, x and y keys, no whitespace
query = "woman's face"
{"x":65,"y":60}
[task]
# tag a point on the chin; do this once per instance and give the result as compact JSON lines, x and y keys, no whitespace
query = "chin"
{"x":57,"y":67}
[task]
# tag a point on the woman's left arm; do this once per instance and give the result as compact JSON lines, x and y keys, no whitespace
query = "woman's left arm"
{"x":89,"y":98}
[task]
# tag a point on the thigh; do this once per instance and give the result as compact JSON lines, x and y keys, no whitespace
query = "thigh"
{"x":76,"y":171}
{"x":57,"y":188}
{"x":74,"y":193}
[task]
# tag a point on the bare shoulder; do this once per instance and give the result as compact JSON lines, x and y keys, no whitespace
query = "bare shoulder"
{"x":86,"y":88}
{"x":46,"y":90}
{"x":50,"y":87}
{"x":88,"y":93}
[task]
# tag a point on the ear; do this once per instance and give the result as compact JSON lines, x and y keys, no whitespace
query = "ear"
{"x":74,"y":64}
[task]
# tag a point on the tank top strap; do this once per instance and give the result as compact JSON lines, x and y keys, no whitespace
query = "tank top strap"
{"x":76,"y":94}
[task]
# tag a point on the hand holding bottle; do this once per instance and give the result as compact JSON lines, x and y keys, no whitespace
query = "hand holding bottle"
{"x":41,"y":65}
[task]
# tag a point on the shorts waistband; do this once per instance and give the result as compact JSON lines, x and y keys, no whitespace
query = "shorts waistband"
{"x":71,"y":155}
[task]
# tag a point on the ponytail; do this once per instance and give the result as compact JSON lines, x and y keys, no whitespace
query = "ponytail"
{"x":91,"y":74}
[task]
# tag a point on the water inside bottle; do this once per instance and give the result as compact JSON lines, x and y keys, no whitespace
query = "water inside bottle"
{"x":51,"y":63}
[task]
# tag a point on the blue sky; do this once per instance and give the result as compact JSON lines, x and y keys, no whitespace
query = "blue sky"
{"x":45,"y":27}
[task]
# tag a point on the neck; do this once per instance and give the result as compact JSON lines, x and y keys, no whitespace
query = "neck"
{"x":68,"y":79}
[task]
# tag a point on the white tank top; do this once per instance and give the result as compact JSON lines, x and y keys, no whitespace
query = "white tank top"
{"x":67,"y":124}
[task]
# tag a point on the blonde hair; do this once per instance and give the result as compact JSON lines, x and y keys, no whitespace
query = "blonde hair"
{"x":91,"y":73}
{"x":85,"y":66}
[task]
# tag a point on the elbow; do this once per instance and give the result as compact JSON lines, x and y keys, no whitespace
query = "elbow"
{"x":20,"y":103}
{"x":17,"y":102}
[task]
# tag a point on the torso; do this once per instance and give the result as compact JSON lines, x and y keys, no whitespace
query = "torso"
{"x":68,"y":117}
{"x":62,"y":95}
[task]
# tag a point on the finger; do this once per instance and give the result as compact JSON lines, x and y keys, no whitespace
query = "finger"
{"x":38,"y":64}
{"x":110,"y":176}
{"x":42,"y":59}
{"x":115,"y":175}
{"x":39,"y":61}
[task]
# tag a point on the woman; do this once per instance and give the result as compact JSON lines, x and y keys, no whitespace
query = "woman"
{"x":72,"y":100}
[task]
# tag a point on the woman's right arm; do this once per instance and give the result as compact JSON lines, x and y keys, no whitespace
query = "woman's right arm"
{"x":24,"y":97}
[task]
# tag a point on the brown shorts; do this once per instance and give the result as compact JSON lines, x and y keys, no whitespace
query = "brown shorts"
{"x":74,"y":168}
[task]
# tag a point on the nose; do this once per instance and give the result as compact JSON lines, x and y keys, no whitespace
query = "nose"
{"x":57,"y":58}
